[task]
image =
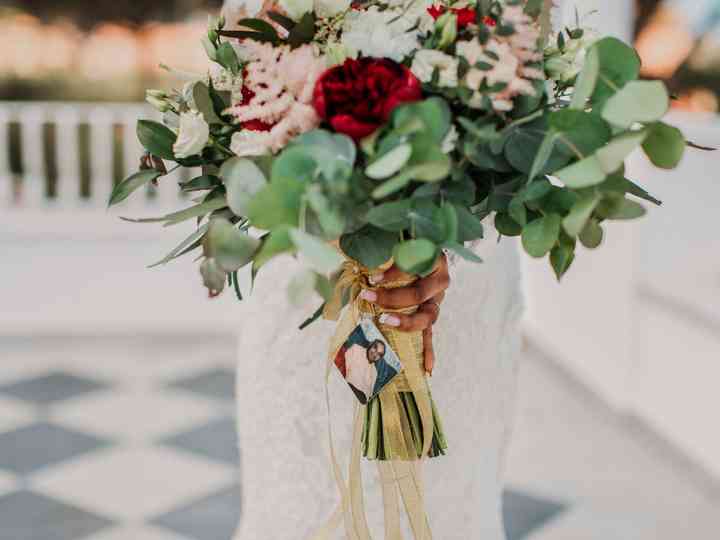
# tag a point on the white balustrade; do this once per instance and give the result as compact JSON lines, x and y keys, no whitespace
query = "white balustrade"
{"x":111,"y":136}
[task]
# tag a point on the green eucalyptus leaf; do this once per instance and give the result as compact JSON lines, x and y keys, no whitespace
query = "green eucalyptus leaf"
{"x":125,"y":188}
{"x":462,"y":251}
{"x":394,"y":184}
{"x":561,"y":257}
{"x":389,"y":163}
{"x":587,"y":80}
{"x":370,"y":246}
{"x":592,"y":235}
{"x":627,"y":210}
{"x":619,"y":63}
{"x":243,"y":180}
{"x":230,"y":247}
{"x":613,"y":155}
{"x":506,"y":225}
{"x":584,"y":173}
{"x":323,"y":257}
{"x":156,"y":139}
{"x":275,"y":243}
{"x":665,"y":145}
{"x":469,"y":227}
{"x":637,"y":101}
{"x":539,"y":236}
{"x":578,"y":217}
{"x":434,"y":112}
{"x":392,"y":216}
{"x":416,"y":256}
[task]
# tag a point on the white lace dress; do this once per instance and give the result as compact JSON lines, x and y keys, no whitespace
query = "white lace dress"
{"x":287,"y":486}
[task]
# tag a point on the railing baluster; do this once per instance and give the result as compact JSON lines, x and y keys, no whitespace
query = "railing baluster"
{"x":102,"y":147}
{"x":32,"y":119}
{"x":67,"y":149}
{"x":7,"y":186}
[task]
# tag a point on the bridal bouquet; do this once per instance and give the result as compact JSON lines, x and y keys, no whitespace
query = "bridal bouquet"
{"x":353,"y":134}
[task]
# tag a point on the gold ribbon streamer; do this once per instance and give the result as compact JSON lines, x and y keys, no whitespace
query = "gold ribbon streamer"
{"x":400,"y":475}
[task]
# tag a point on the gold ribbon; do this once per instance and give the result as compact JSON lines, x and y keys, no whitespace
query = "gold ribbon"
{"x":400,"y":474}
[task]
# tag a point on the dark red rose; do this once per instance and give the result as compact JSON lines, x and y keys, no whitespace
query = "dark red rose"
{"x":358,"y":96}
{"x":465,"y":16}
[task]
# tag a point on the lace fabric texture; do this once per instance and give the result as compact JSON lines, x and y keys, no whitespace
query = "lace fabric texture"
{"x":287,"y":485}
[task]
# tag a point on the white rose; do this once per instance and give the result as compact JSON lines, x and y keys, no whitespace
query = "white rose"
{"x":331,"y":8}
{"x":193,"y":135}
{"x":426,"y":61}
{"x":249,"y":143}
{"x":379,"y":34}
{"x":295,"y":9}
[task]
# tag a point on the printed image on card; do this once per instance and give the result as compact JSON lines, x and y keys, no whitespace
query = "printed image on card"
{"x":367,"y":362}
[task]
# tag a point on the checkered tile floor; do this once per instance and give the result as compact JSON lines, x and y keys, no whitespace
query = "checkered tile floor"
{"x":133,"y":440}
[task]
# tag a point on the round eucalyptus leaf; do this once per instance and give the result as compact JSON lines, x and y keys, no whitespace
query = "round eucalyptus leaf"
{"x":392,"y":216}
{"x":612,"y":156}
{"x":584,"y":173}
{"x":540,"y":235}
{"x":665,"y":145}
{"x":506,"y":225}
{"x":370,"y":246}
{"x":390,"y":163}
{"x":578,"y":217}
{"x":243,"y":180}
{"x":637,"y":101}
{"x":592,"y":235}
{"x":323,"y":257}
{"x":619,"y":64}
{"x":416,"y":256}
{"x":586,"y":81}
{"x":230,"y":247}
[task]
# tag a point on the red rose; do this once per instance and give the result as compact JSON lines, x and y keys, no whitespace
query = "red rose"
{"x":465,"y":16}
{"x":358,"y":96}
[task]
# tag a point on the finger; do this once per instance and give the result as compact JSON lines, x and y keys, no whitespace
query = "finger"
{"x":413,"y":295}
{"x":428,"y":351}
{"x":426,"y":316}
{"x":394,"y":273}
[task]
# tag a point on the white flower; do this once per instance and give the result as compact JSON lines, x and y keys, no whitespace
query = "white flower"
{"x":248,"y":8}
{"x":295,"y":9}
{"x":380,"y":34}
{"x":450,"y":140}
{"x":427,"y":60}
{"x":415,"y":12}
{"x":250,"y":143}
{"x":330,"y":8}
{"x":223,"y":80}
{"x":193,"y":135}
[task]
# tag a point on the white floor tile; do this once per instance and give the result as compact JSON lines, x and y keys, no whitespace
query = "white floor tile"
{"x":134,"y":484}
{"x":135,"y":414}
{"x":135,"y":533}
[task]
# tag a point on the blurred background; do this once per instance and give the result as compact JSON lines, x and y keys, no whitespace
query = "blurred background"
{"x":116,"y":382}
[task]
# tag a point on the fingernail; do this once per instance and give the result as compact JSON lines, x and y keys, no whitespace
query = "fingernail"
{"x":376,"y":278}
{"x":389,"y":320}
{"x":370,"y":296}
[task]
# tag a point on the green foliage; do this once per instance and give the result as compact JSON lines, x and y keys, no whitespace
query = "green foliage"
{"x":135,"y":181}
{"x":156,"y":139}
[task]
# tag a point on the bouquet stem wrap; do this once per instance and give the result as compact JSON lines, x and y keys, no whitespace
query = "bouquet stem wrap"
{"x":399,"y":428}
